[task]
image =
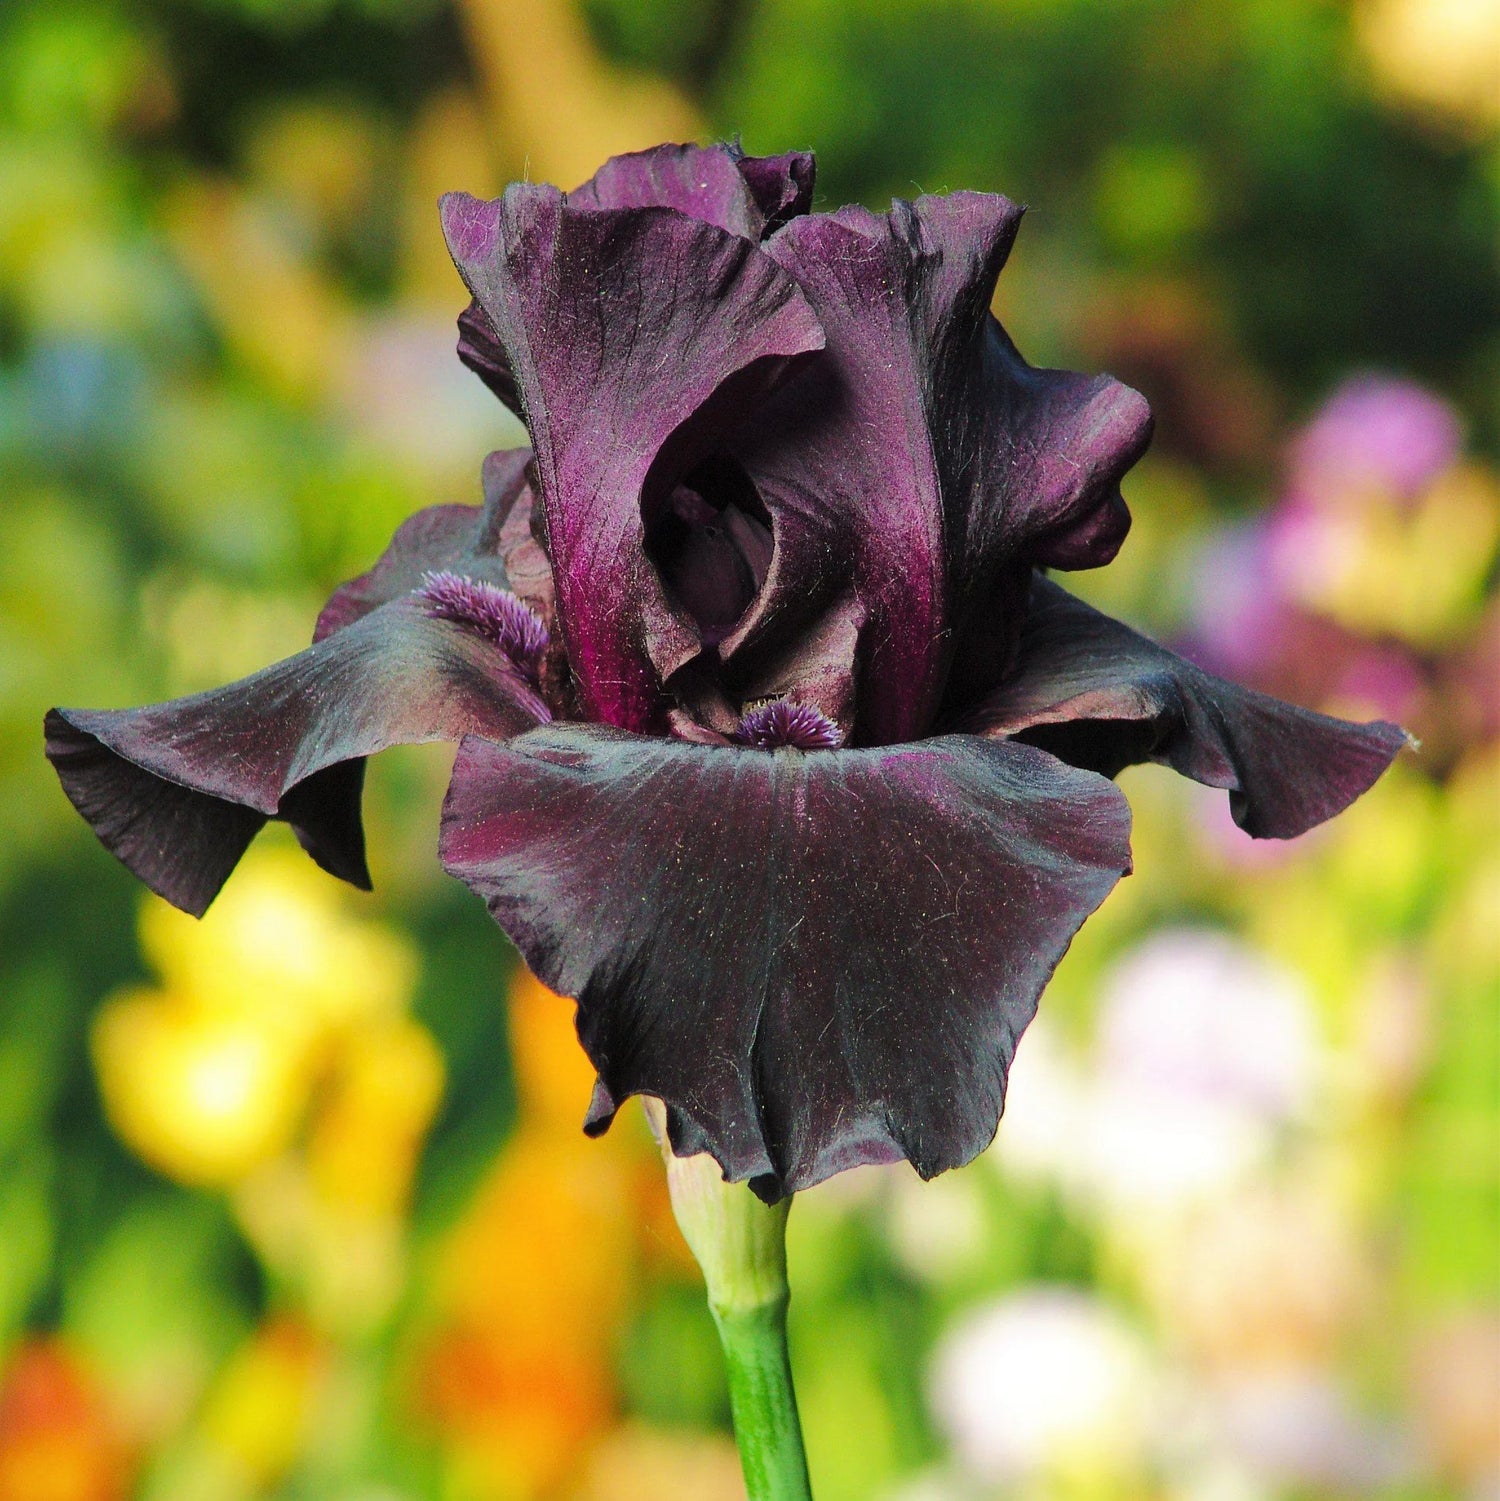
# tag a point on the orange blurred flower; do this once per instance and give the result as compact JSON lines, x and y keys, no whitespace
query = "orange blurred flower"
{"x":57,"y":1442}
{"x":536,"y":1282}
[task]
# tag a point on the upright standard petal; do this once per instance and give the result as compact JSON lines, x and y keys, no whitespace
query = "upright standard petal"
{"x":178,"y":790}
{"x":816,"y":958}
{"x":719,"y":184}
{"x":1098,"y":695}
{"x":921,"y":462}
{"x":638,"y":338}
{"x":746,"y":195}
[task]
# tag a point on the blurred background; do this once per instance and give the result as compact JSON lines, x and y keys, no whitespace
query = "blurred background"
{"x":294,"y":1202}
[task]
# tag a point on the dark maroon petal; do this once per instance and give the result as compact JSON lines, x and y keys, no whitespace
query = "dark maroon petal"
{"x":1096,"y":694}
{"x":746,"y":195}
{"x":637,"y":338}
{"x":781,"y":185}
{"x":816,"y":959}
{"x":177,"y":790}
{"x":921,"y":458}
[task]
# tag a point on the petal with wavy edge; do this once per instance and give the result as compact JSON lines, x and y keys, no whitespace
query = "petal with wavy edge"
{"x":1098,"y":695}
{"x":638,"y":338}
{"x":817,"y":959}
{"x":177,"y":790}
{"x":921,"y":458}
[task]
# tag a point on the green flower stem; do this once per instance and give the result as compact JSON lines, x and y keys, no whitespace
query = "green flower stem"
{"x":766,"y":1426}
{"x":741,"y":1245}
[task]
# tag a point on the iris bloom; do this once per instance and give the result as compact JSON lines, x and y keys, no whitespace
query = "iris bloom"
{"x":781,"y":750}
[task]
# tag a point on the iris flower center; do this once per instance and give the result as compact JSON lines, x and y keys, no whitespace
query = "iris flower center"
{"x":710,"y":540}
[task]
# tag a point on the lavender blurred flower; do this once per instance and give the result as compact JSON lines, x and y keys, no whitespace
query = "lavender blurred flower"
{"x":1377,"y":434}
{"x":777,"y":458}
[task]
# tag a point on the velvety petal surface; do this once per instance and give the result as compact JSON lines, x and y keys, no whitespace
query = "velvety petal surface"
{"x":920,"y":460}
{"x":638,"y":338}
{"x":1095,"y":693}
{"x":746,"y":195}
{"x":817,"y":959}
{"x":178,"y":790}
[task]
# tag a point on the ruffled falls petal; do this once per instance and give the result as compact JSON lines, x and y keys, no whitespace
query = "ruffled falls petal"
{"x":1095,"y":693}
{"x":638,"y":338}
{"x":817,"y":959}
{"x":177,"y":790}
{"x":920,"y":462}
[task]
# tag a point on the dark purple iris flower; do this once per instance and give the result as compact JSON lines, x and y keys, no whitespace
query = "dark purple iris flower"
{"x":780,"y":751}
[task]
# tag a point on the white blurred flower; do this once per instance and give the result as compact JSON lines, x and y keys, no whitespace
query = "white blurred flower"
{"x":1147,"y":1148}
{"x":1044,"y":1380}
{"x":1200,"y":1015}
{"x":1204,"y":1049}
{"x":934,"y":1485}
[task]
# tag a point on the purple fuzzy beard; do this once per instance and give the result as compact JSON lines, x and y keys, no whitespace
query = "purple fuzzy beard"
{"x":489,"y":611}
{"x":783,"y":723}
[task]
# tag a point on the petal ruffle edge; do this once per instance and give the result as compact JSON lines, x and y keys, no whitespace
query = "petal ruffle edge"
{"x":177,"y":791}
{"x":1100,"y":696}
{"x":920,"y":461}
{"x":817,"y":960}
{"x":748,"y":196}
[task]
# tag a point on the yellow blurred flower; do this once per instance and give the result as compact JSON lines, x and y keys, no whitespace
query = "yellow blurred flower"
{"x":285,"y":319}
{"x":1441,"y":56}
{"x":364,"y":1142}
{"x":553,"y":1075}
{"x":534,"y":1283}
{"x":202,"y":1096}
{"x":258,"y":1415}
{"x":209,"y":1076}
{"x":280,"y":942}
{"x":563,"y":107}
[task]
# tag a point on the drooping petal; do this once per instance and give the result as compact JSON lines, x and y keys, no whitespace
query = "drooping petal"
{"x":638,"y":338}
{"x":177,"y":790}
{"x":719,"y":184}
{"x":921,"y":458}
{"x":1095,"y":693}
{"x":818,"y":958}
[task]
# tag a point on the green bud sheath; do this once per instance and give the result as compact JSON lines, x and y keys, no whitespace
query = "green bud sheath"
{"x":740,"y":1244}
